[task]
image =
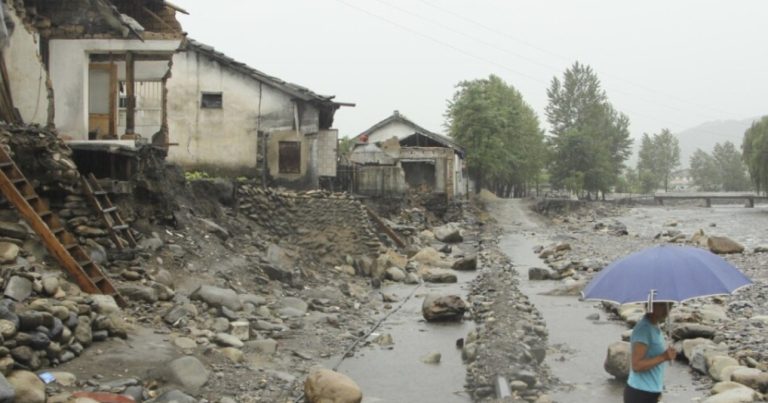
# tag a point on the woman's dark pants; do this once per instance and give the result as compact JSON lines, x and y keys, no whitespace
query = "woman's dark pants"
{"x":632,"y":395}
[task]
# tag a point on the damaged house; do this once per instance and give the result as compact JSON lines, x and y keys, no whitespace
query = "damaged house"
{"x":97,"y":71}
{"x":228,"y":118}
{"x":397,"y":155}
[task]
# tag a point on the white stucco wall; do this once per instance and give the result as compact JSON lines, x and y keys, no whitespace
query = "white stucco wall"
{"x":459,"y":182}
{"x":327,"y":141}
{"x":226,"y":138}
{"x":69,"y":60}
{"x":392,"y":129}
{"x":26,"y":73}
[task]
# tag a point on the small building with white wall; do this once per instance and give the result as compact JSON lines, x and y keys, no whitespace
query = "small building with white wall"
{"x":229,"y":118}
{"x":430,"y":162}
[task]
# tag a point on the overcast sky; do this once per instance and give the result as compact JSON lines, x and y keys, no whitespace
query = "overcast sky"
{"x":672,"y":64}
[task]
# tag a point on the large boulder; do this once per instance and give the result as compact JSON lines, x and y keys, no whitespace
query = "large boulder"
{"x":701,"y":356}
{"x":443,"y":308}
{"x":135,"y":292}
{"x":8,"y":252}
{"x":692,"y":331}
{"x":326,"y":386}
{"x":699,"y":238}
{"x":448,"y":233}
{"x":7,"y":393}
{"x":29,"y":388}
{"x":395,"y":273}
{"x":730,"y":392}
{"x":751,"y":377}
{"x":617,"y":360}
{"x":437,"y":276}
{"x":723,"y":245}
{"x":392,"y":258}
{"x":690,"y":344}
{"x":430,"y":257}
{"x":13,"y":230}
{"x":187,"y":372}
{"x":217,"y":297}
{"x":718,"y":364}
{"x":18,"y":288}
{"x":540,"y":273}
{"x":466,"y":264}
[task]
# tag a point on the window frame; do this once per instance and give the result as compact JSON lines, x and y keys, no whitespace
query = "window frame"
{"x":204,"y":105}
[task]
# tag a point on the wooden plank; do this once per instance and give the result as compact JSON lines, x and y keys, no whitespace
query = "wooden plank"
{"x":140,"y":57}
{"x":130,"y":83}
{"x":385,"y":228}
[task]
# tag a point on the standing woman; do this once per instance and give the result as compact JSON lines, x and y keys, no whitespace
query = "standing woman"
{"x":649,"y":357}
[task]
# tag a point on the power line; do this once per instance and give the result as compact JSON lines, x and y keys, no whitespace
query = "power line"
{"x":443,"y":43}
{"x":483,"y":59}
{"x":526,"y":43}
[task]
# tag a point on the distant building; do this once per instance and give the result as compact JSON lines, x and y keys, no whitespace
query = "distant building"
{"x":681,"y":181}
{"x":396,"y":154}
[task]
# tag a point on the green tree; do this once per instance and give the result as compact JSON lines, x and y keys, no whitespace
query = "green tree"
{"x":628,"y":182}
{"x":345,"y":146}
{"x":646,"y":172}
{"x":732,"y":172}
{"x":590,"y":139}
{"x":704,"y":171}
{"x":658,"y":157}
{"x":755,"y":153}
{"x":505,"y":146}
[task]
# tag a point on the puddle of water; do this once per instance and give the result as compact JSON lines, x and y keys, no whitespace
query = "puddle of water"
{"x":579,"y":345}
{"x":397,"y":374}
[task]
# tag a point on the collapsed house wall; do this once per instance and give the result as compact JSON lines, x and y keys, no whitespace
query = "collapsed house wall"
{"x":441,"y":158}
{"x":69,"y":71}
{"x":29,"y":80}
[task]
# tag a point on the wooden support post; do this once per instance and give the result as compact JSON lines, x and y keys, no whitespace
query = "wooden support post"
{"x":130,"y":83}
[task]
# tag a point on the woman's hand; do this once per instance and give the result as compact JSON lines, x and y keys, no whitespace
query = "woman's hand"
{"x":671,"y":354}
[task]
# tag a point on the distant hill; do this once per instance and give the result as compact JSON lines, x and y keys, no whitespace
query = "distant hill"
{"x":706,"y":135}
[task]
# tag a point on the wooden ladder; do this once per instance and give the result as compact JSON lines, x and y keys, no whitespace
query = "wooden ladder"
{"x":110,"y":214}
{"x":62,"y":244}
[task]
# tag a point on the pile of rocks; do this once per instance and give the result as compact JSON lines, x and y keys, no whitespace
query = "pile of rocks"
{"x":42,"y":156}
{"x":45,"y":321}
{"x":510,"y":339}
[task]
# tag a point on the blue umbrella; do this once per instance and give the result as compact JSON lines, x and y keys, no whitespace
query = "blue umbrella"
{"x":665,"y":273}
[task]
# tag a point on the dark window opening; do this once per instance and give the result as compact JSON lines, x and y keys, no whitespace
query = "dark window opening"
{"x":212,"y":100}
{"x":420,"y":175}
{"x":289,"y":160}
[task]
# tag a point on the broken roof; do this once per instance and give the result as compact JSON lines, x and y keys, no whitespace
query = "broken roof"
{"x":399,"y":117}
{"x":297,"y":91}
{"x":75,"y":19}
